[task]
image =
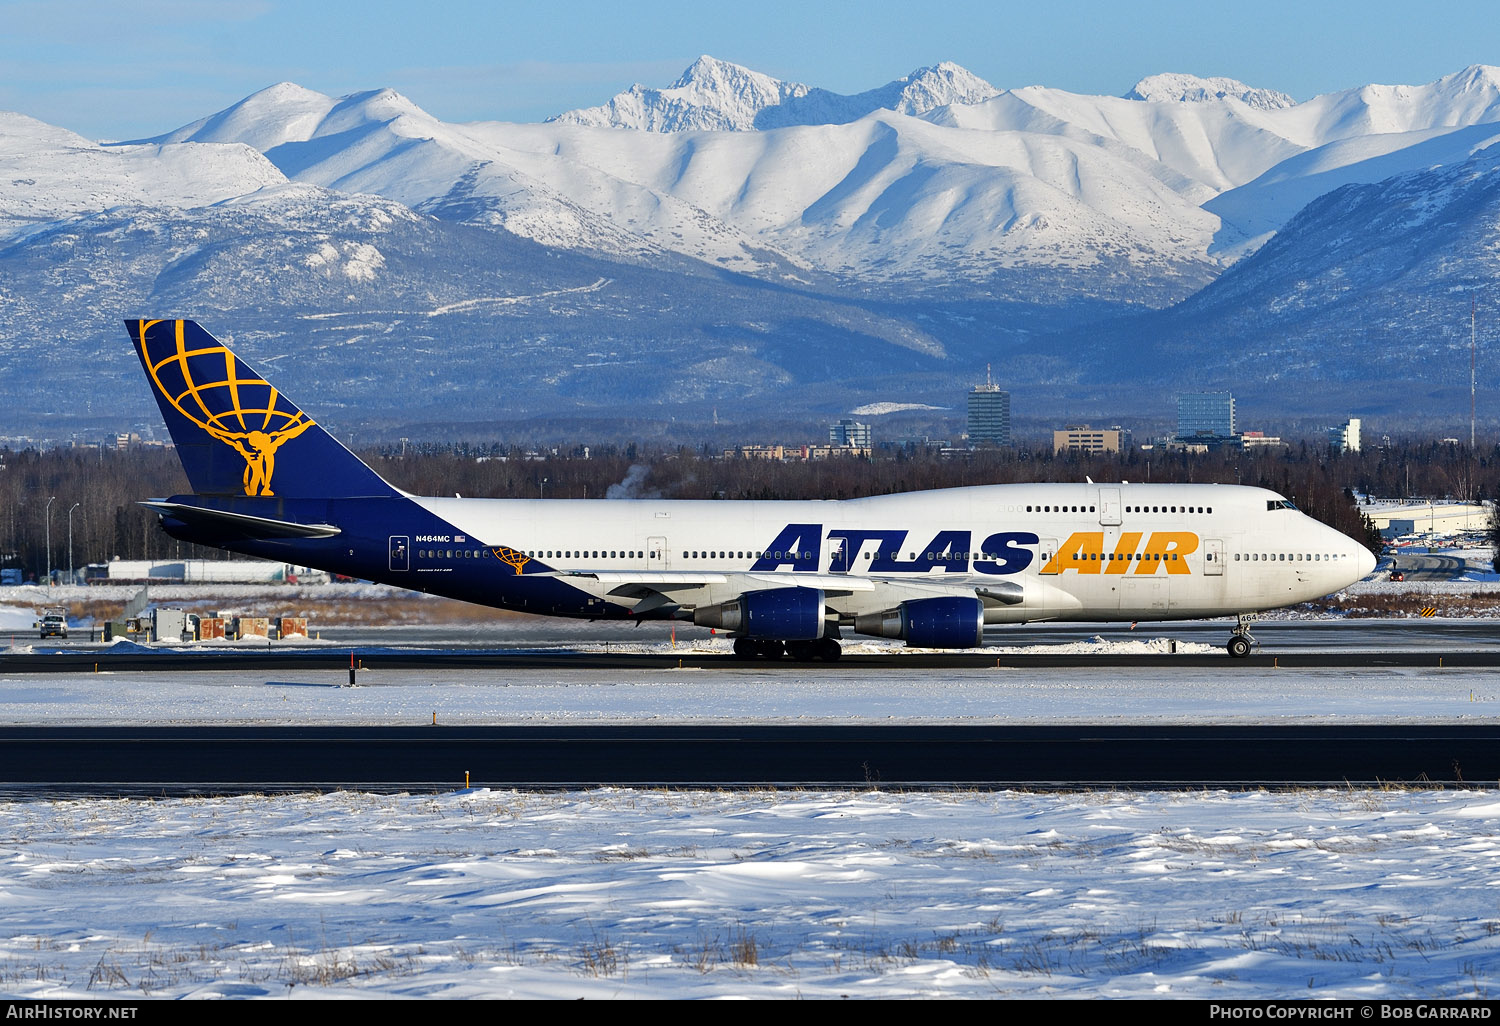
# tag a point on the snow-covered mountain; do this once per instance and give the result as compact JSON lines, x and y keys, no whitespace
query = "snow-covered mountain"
{"x":717,"y":96}
{"x":52,"y":173}
{"x":382,"y":314}
{"x":711,"y":95}
{"x":1365,"y":295}
{"x":1177,"y":88}
{"x":934,"y":178}
{"x":1223,"y":143}
{"x":882,"y":197}
{"x":930,"y":225}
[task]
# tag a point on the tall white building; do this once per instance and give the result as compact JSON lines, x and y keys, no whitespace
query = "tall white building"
{"x":1345,"y":437}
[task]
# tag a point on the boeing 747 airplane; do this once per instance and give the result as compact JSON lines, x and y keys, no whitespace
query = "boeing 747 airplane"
{"x":930,"y":568}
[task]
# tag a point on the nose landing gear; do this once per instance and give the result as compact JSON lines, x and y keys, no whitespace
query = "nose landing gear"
{"x":1240,"y":640}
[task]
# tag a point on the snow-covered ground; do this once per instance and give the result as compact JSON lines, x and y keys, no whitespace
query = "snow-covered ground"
{"x":786,"y":694}
{"x":793,"y":894}
{"x":642,"y":893}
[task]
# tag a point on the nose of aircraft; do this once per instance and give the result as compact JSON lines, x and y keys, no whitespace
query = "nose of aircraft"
{"x":1364,"y":560}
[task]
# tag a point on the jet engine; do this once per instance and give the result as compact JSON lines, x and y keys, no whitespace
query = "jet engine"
{"x":954,"y":621}
{"x":787,"y":614}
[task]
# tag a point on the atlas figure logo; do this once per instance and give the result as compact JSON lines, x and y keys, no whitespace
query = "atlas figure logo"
{"x":212,"y":389}
{"x":800,"y":547}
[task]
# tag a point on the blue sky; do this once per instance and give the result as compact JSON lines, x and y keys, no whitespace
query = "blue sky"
{"x":125,"y":69}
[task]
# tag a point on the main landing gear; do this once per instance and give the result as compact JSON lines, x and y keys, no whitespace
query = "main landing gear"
{"x":1240,"y":640}
{"x":825,"y":649}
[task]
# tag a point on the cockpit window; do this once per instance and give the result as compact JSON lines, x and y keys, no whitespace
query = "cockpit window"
{"x":1278,"y":504}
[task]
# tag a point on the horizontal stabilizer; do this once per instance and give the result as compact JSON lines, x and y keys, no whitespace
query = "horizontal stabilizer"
{"x":240,"y":523}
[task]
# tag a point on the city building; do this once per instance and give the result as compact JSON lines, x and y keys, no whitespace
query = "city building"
{"x":989,"y":415}
{"x":789,"y":453}
{"x":824,"y":452}
{"x":1398,"y":519}
{"x":1254,"y":439}
{"x":1206,"y":417}
{"x":756,"y":452}
{"x":850,"y":432}
{"x":1345,"y":437}
{"x":1083,"y":438}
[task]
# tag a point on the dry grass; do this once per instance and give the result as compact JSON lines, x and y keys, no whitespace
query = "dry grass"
{"x":1480,"y":601}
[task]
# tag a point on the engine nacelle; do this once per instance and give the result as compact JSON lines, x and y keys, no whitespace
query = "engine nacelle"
{"x":955,"y":621}
{"x":786,"y":614}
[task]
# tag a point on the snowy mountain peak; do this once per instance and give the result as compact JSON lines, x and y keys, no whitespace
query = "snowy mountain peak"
{"x":717,"y":95}
{"x":283,"y":93}
{"x":52,"y":173}
{"x":287,"y":112}
{"x":1480,"y":76}
{"x":940,"y":85}
{"x":263,"y":119}
{"x":710,"y":77}
{"x":1480,"y":79}
{"x":1178,"y":88}
{"x":20,"y":135}
{"x":373,"y":106}
{"x":711,"y":94}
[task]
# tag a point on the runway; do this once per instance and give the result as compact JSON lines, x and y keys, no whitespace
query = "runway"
{"x":217,"y":760}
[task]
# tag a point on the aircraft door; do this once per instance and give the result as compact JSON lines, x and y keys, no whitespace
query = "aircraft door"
{"x":1046,"y":549}
{"x":1213,"y":557}
{"x":839,"y":558}
{"x":656,"y":554}
{"x":1109,"y":506}
{"x":400,"y":552}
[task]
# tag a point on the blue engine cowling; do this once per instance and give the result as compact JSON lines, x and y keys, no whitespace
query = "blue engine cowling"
{"x":954,"y":621}
{"x":786,"y":614}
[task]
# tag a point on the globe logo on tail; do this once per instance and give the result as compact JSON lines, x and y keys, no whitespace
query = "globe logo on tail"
{"x":209,"y":386}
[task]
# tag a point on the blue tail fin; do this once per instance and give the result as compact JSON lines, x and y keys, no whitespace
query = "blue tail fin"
{"x":236,"y":434}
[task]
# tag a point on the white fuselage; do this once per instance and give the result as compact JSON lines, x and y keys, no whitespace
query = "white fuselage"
{"x":1031,"y":551}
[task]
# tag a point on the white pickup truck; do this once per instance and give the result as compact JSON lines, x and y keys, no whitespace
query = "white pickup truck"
{"x":53,"y":625}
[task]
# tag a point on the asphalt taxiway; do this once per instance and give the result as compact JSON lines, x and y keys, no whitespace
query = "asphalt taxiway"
{"x":216,"y":760}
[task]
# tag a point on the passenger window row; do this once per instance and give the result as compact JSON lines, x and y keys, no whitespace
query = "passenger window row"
{"x":1256,"y":557}
{"x":1128,"y":509}
{"x":1105,"y":557}
{"x":1111,"y":557}
{"x":533,"y":554}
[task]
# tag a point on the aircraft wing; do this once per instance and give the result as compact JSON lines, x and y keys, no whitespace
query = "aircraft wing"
{"x":661,"y":580}
{"x":654,"y":589}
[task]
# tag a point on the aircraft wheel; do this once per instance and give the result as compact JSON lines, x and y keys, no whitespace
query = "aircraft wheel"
{"x":1239,"y":646}
{"x":802,"y":651}
{"x":772,"y":649}
{"x":829,"y":650}
{"x":744,"y":648}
